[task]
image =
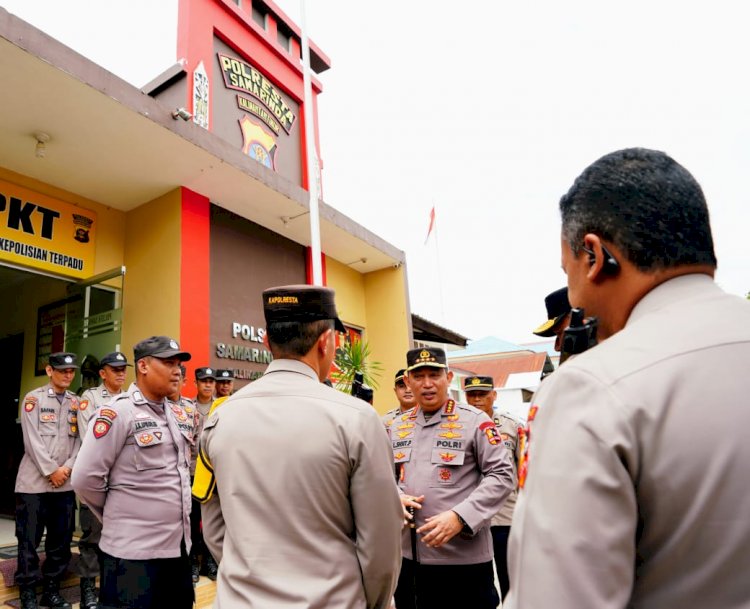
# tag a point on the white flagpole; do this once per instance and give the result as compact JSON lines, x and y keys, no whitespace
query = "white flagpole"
{"x":313,"y":173}
{"x":437,"y":259}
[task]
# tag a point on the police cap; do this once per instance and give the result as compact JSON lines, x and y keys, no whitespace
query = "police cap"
{"x":479,"y":383}
{"x":301,"y":303}
{"x":399,"y":376}
{"x":426,"y":356}
{"x":557,"y":308}
{"x":201,"y":374}
{"x":63,"y":360}
{"x":161,"y":347}
{"x":116,"y":359}
{"x":224,"y":375}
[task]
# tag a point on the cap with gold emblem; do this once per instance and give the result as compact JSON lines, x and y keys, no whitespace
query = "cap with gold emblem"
{"x":224,"y":375}
{"x":63,"y":360}
{"x":116,"y":359}
{"x":161,"y":347}
{"x":204,"y":373}
{"x":557,"y":307}
{"x":479,"y":383}
{"x":399,"y":376}
{"x":416,"y":358}
{"x":300,"y":303}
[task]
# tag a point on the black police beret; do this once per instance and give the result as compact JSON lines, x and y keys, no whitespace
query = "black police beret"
{"x":417,"y":358}
{"x":63,"y":360}
{"x":300,"y":303}
{"x":161,"y":347}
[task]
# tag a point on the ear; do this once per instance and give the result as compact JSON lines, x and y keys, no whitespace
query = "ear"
{"x":101,"y":373}
{"x":593,"y":244}
{"x":48,"y":369}
{"x":325,"y":343}
{"x":142,"y":365}
{"x":450,"y":375}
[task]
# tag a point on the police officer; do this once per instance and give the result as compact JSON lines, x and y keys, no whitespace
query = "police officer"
{"x":205,"y":381}
{"x":558,"y":316}
{"x":134,"y":474}
{"x":635,"y":493}
{"x":480,"y":393}
{"x":224,"y":383}
{"x":112,"y":369}
{"x":314,"y":518}
{"x":405,"y":397}
{"x":44,"y":496}
{"x":456,"y":473}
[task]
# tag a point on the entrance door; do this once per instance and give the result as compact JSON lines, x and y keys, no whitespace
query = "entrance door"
{"x":11,"y":360}
{"x":94,"y":323}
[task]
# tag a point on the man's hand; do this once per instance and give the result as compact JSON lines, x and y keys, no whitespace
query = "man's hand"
{"x":408,"y":501}
{"x":59,"y":476}
{"x":440,"y":529}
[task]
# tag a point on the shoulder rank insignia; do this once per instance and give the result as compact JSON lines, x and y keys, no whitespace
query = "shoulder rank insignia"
{"x":450,"y":407}
{"x":101,"y":427}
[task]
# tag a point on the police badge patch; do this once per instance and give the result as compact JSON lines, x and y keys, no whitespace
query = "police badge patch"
{"x":101,"y":427}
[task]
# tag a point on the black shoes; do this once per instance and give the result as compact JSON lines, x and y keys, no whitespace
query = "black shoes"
{"x":212,"y":569}
{"x":28,"y":598}
{"x":88,"y":593}
{"x":51,"y":597}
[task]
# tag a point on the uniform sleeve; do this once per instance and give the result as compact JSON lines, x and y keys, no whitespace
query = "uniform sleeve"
{"x":574,"y":528}
{"x":85,"y":415}
{"x":498,"y":480}
{"x":211,"y":515}
{"x":376,"y":507}
{"x":97,"y":457}
{"x":33,"y":444}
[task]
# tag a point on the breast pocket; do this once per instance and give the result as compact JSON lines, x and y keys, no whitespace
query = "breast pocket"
{"x":445,"y":466}
{"x":47,"y":424}
{"x":149,"y":450}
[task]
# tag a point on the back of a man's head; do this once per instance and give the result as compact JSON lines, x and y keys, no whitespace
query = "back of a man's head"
{"x":294,"y":339}
{"x":645,"y":204}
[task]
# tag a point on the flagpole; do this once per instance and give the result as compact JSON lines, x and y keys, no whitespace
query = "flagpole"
{"x":313,"y":176}
{"x":440,"y":275}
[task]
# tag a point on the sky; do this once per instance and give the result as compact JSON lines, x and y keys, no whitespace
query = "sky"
{"x":488,"y":111}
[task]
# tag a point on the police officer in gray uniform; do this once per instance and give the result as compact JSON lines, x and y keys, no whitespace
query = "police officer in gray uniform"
{"x":305,"y":511}
{"x":112,"y":372}
{"x":224,"y":382}
{"x":134,"y":474}
{"x":480,"y":393}
{"x":44,"y":496}
{"x":455,"y":472}
{"x":405,"y":397}
{"x":635,"y":492}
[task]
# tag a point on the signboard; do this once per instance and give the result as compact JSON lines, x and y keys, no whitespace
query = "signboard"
{"x":247,"y":346}
{"x":40,"y":232}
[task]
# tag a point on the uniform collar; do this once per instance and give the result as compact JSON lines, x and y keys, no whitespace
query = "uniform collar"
{"x":292,"y":365}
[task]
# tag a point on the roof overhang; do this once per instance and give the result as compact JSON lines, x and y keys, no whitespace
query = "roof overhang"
{"x":112,"y":143}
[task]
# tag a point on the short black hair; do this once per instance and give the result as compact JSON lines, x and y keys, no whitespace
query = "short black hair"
{"x":646,"y":204}
{"x":293,"y":339}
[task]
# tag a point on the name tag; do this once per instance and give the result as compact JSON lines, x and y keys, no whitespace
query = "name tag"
{"x":401,"y":444}
{"x":442,"y":443}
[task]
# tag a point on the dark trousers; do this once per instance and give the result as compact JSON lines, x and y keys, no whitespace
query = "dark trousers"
{"x":88,"y":545}
{"x":34,"y":513}
{"x":156,"y":583}
{"x":198,"y":548}
{"x":446,"y":586}
{"x":500,"y":546}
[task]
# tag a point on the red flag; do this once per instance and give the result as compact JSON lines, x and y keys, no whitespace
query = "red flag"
{"x":432,"y":224}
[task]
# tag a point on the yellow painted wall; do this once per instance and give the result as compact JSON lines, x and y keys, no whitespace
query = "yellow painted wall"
{"x":20,"y":313}
{"x":377,"y":302}
{"x":151,"y":304}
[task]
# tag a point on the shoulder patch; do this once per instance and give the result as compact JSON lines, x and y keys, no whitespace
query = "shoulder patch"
{"x":101,"y":427}
{"x":83,"y":405}
{"x":107,"y":413}
{"x":30,"y":404}
{"x":490,"y":432}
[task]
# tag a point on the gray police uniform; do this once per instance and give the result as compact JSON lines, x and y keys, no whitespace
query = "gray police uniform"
{"x":636,"y":488}
{"x":50,"y":440}
{"x":91,"y":526}
{"x":388,"y":417}
{"x":134,"y":474}
{"x":314,"y":518}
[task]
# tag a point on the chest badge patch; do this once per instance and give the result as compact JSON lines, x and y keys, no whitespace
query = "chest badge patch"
{"x":444,"y":474}
{"x":447,"y":457}
{"x":158,"y":435}
{"x":450,"y":435}
{"x":399,"y":455}
{"x":145,"y":438}
{"x":83,"y":405}
{"x":404,"y":434}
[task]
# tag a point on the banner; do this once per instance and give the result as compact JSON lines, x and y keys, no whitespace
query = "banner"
{"x":44,"y":233}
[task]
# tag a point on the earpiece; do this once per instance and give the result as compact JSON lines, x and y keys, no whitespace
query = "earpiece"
{"x":610,"y":265}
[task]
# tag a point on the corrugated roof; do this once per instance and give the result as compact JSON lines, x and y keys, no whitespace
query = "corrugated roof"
{"x":487,"y":346}
{"x":500,"y":368}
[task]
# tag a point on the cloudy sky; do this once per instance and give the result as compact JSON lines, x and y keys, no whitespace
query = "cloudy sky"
{"x":488,"y":111}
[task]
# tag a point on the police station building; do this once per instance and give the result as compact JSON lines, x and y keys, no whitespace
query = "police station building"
{"x":129,"y":212}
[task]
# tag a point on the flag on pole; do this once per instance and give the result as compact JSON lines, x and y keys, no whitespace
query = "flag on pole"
{"x":432,"y":224}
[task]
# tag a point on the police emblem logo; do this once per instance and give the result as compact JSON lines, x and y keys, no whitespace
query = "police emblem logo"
{"x":173,"y":344}
{"x":490,"y":431}
{"x":84,"y":404}
{"x":209,"y":371}
{"x":48,"y":418}
{"x":450,"y":435}
{"x":68,"y":359}
{"x":73,"y":429}
{"x":399,"y":455}
{"x":29,"y":405}
{"x":120,"y":357}
{"x":447,"y":457}
{"x":475,"y":381}
{"x":145,"y":439}
{"x":101,"y":427}
{"x":444,"y":474}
